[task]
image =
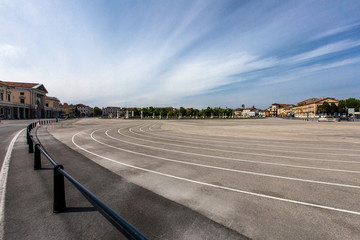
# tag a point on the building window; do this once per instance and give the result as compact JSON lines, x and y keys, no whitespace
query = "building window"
{"x":22,"y":93}
{"x":8,"y":97}
{"x":22,"y":100}
{"x":2,"y":96}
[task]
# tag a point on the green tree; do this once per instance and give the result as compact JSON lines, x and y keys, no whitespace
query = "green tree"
{"x":97,"y":112}
{"x":201,"y":112}
{"x":169,"y":112}
{"x":146,"y":112}
{"x":333,"y":109}
{"x":191,"y":112}
{"x":352,"y":103}
{"x":183,"y":111}
{"x":151,"y":111}
{"x":176,"y":112}
{"x":229,"y":112}
{"x":342,"y":107}
{"x":163,"y":112}
{"x":157,"y":111}
{"x":326,"y":108}
{"x":196,"y":112}
{"x":208,"y":111}
{"x":136,"y":112}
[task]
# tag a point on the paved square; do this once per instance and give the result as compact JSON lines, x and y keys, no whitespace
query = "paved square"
{"x":265,"y":178}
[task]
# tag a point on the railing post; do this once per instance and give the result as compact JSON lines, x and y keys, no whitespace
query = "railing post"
{"x":27,"y":134}
{"x":31,"y":145}
{"x":59,"y":190}
{"x":37,"y":157}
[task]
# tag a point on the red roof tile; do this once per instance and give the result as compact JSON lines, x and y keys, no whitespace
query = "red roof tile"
{"x":19,"y":84}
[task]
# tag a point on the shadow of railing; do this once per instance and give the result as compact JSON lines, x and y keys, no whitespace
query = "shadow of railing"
{"x":59,"y":203}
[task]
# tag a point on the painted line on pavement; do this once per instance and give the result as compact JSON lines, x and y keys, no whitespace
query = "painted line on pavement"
{"x":229,"y":151}
{"x":251,"y":144}
{"x":3,"y":181}
{"x":225,"y":169}
{"x":174,"y":138}
{"x":216,"y":186}
{"x":240,"y":160}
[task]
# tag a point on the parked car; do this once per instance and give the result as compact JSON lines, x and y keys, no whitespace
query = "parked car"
{"x":328,"y":119}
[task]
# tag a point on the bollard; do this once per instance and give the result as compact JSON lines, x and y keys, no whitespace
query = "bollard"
{"x":59,"y":191}
{"x":37,"y":157}
{"x":31,"y":145}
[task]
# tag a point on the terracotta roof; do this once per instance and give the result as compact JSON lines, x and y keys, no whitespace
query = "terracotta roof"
{"x":323,"y":99}
{"x":307,"y":102}
{"x":252,"y":108}
{"x":19,"y":84}
{"x":81,"y":105}
{"x":51,"y":98}
{"x":25,"y":85}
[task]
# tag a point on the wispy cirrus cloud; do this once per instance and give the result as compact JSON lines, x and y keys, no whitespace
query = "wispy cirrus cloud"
{"x":294,"y":74}
{"x":335,"y":31}
{"x":324,"y":50}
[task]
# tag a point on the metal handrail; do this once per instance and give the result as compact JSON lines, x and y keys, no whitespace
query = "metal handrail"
{"x":59,"y":203}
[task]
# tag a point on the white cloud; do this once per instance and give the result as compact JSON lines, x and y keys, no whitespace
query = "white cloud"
{"x":323,"y":50}
{"x":303,"y":72}
{"x":198,"y":76}
{"x":321,"y":67}
{"x":192,"y":76}
{"x":10,"y":51}
{"x":335,"y":31}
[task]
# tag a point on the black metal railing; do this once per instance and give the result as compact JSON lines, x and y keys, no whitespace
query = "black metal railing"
{"x":59,"y":203}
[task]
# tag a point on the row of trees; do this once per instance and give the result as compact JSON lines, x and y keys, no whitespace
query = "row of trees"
{"x":190,"y":113}
{"x":341,"y":108}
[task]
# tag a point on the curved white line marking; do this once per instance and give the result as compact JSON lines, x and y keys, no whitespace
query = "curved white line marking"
{"x":221,"y":168}
{"x":3,"y":181}
{"x":237,"y":159}
{"x":174,"y":138}
{"x":242,"y":143}
{"x":217,"y":186}
{"x":229,"y":151}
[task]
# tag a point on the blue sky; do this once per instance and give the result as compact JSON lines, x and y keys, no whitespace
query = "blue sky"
{"x":183,"y":53}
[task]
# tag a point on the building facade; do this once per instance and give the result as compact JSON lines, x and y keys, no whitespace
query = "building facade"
{"x":112,"y":112}
{"x":83,"y":110}
{"x":52,"y":107}
{"x":22,"y":100}
{"x":308,"y":109}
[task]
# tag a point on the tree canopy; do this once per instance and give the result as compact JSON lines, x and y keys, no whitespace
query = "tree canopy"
{"x":97,"y":112}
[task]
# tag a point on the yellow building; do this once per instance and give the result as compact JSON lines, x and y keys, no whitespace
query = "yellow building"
{"x":308,"y":108}
{"x":22,"y":100}
{"x":280,"y":110}
{"x":52,"y":107}
{"x":67,"y":109}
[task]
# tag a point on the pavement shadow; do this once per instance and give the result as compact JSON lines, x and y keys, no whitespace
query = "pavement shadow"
{"x":79,"y":209}
{"x":45,"y":169}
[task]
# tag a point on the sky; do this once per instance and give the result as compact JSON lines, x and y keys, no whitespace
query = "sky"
{"x":189,"y":53}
